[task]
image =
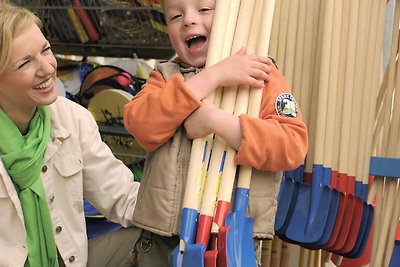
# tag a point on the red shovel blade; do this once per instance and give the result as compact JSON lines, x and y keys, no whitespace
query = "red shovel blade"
{"x":218,"y":240}
{"x":210,"y":258}
{"x":354,"y":227}
{"x":222,"y":258}
{"x":338,"y":221}
{"x":348,"y":203}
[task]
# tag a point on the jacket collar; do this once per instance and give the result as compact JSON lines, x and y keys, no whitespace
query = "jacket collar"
{"x":58,"y":131}
{"x":58,"y":134}
{"x":185,"y":68}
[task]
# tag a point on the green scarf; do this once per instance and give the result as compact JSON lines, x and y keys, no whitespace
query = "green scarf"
{"x":23,"y":157}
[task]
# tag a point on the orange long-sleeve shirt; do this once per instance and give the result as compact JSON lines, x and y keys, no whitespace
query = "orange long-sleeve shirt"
{"x":272,"y":142}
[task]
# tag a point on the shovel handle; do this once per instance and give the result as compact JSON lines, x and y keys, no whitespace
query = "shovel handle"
{"x":255,"y":96}
{"x":214,"y":174}
{"x":227,"y":104}
{"x":200,"y":146}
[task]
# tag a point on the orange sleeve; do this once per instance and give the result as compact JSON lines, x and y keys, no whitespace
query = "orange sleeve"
{"x":273,"y":141}
{"x":157,"y":111}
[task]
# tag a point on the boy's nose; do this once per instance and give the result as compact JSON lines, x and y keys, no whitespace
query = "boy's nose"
{"x":190,"y":20}
{"x":190,"y":23}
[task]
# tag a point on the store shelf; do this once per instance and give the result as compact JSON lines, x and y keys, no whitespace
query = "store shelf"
{"x":122,"y":144}
{"x":120,"y":28}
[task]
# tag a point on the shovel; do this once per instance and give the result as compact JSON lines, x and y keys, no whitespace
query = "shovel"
{"x":242,"y":11}
{"x":190,"y":206}
{"x":365,"y":228}
{"x":286,"y":199}
{"x":235,"y":239}
{"x":287,"y":195}
{"x":316,"y":206}
{"x":363,"y":233}
{"x":187,"y":253}
{"x":239,"y":243}
{"x":239,"y":239}
{"x":310,"y":213}
{"x":395,"y":259}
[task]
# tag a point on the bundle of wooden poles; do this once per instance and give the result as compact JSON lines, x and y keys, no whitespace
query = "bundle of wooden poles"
{"x":330,"y":51}
{"x":211,"y":174}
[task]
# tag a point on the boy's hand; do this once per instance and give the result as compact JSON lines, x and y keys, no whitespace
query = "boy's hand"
{"x":234,"y":70}
{"x":240,"y":68}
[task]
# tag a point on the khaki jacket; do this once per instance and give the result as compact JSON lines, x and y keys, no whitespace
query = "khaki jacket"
{"x":77,"y":165}
{"x":163,"y":182}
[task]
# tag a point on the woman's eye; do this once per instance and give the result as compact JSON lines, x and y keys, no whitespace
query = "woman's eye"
{"x":23,"y":64}
{"x":46,"y":49}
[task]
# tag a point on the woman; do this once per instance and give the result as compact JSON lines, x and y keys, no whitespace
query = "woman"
{"x":52,"y":157}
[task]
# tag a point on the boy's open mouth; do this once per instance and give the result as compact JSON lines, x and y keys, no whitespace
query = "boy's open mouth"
{"x":196,"y":41}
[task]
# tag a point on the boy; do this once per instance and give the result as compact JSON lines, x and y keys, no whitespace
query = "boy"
{"x":172,"y":109}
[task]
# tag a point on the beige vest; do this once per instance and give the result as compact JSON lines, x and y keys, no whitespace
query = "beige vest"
{"x":163,"y":183}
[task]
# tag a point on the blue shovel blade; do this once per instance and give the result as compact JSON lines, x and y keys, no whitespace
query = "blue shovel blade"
{"x":175,"y":258}
{"x":189,"y":220}
{"x":286,"y":197}
{"x":240,"y":243}
{"x":311,"y":212}
{"x":330,"y":222}
{"x":194,"y":256}
{"x":395,"y":259}
{"x":325,"y":174}
{"x":303,"y":227}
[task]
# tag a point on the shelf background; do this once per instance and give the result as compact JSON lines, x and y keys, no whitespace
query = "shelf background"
{"x":120,"y":28}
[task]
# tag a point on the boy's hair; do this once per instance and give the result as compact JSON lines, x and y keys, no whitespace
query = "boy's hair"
{"x":13,"y":20}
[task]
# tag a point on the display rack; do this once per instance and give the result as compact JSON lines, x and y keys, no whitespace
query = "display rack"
{"x":387,"y":167}
{"x":103,"y":28}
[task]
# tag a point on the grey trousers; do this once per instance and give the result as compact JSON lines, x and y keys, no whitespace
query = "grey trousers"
{"x":153,"y":250}
{"x":133,"y":247}
{"x":113,"y":249}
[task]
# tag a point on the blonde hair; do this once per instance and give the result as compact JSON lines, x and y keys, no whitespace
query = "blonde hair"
{"x":13,"y":20}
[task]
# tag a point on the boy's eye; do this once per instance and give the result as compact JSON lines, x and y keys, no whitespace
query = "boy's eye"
{"x":205,"y":9}
{"x":175,"y":16}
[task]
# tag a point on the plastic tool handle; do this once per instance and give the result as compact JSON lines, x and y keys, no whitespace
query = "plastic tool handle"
{"x":91,"y":30}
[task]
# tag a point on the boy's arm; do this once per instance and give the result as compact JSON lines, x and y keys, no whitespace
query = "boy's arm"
{"x":157,"y":111}
{"x":278,"y":141}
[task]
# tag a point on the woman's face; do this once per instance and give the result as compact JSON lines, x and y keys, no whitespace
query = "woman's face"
{"x":189,"y":27}
{"x":29,"y":79}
